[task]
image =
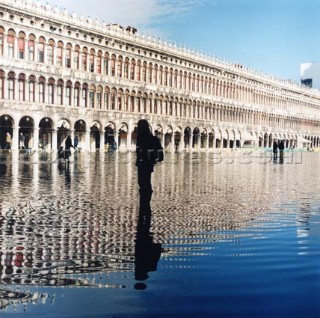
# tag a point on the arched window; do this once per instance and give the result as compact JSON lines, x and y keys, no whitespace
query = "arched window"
{"x":32,"y":86}
{"x":99,"y":97}
{"x":161,"y":75}
{"x":68,"y":93}
{"x":113,"y":65}
{"x":41,"y":85}
{"x":91,"y":60}
{"x":138,"y":71}
{"x":11,"y":88}
{"x":10,"y":43}
{"x":21,"y":87}
{"x":68,"y":56}
{"x":1,"y":40}
{"x":41,"y":50}
{"x":99,"y":62}
{"x":106,"y":64}
{"x":21,"y":45}
{"x":31,"y":41}
{"x":132,"y":69}
{"x":155,"y":74}
{"x":150,"y":71}
{"x":84,"y":95}
{"x":76,"y":57}
{"x":144,"y":72}
{"x":113,"y":98}
{"x":92,"y":96}
{"x":120,"y":93}
{"x":60,"y":92}
{"x":59,"y":53}
{"x":50,"y":52}
{"x":2,"y":76}
{"x":106,"y":97}
{"x":84,"y":58}
{"x":126,"y":68}
{"x":165,"y":82}
{"x":76,"y":94}
{"x":119,"y":68}
{"x":51,"y":83}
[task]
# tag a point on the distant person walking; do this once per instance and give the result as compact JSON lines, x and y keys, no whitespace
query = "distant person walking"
{"x":68,"y":145}
{"x":275,"y":150}
{"x":281,"y":149}
{"x":145,"y":160}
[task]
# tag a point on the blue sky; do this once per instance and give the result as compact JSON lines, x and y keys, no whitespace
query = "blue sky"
{"x":272,"y":36}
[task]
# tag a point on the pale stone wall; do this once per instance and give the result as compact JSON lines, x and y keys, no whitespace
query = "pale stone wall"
{"x":64,"y":74}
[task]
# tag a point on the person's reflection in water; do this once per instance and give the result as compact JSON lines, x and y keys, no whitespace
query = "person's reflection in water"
{"x":147,"y":253}
{"x":65,"y":167}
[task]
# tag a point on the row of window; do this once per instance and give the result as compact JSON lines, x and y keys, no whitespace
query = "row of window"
{"x":75,"y":94}
{"x":102,"y":63}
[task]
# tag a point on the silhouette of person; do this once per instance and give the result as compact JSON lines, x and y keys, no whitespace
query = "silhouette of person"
{"x":281,"y":148}
{"x":145,"y":161}
{"x":68,"y":144}
{"x":147,"y":253}
{"x":275,"y":150}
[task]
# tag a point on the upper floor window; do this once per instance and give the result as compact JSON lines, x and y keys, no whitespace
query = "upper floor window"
{"x":99,"y":61}
{"x":50,"y":52}
{"x":76,"y":57}
{"x":10,"y":43}
{"x":11,"y":88}
{"x":21,"y":45}
{"x":31,"y":44}
{"x":1,"y":40}
{"x":59,"y":53}
{"x":91,"y":62}
{"x":32,"y":85}
{"x":84,"y":59}
{"x":68,"y":56}
{"x":41,"y":50}
{"x":21,"y":83}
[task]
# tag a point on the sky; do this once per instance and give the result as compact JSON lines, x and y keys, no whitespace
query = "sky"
{"x":271,"y":36}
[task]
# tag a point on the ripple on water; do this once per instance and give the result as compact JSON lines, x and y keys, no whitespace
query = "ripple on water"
{"x":245,"y":233}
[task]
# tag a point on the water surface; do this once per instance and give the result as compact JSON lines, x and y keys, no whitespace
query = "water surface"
{"x":227,"y":236}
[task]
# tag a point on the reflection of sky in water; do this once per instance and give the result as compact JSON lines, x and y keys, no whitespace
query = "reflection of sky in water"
{"x":231,"y":234}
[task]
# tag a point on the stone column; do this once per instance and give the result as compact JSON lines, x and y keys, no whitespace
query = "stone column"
{"x":87,"y":141}
{"x":15,"y":138}
{"x":129,"y":140}
{"x":36,"y":138}
{"x":102,"y":140}
{"x":54,"y":140}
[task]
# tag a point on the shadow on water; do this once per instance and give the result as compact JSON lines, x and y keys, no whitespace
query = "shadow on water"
{"x":147,"y":253}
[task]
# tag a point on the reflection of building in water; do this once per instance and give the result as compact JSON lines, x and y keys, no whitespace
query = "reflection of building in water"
{"x":15,"y":298}
{"x":63,"y":73}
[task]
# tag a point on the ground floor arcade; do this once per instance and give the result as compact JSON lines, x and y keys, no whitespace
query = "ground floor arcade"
{"x":47,"y":133}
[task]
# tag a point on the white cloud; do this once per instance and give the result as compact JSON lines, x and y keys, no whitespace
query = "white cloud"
{"x":145,"y":14}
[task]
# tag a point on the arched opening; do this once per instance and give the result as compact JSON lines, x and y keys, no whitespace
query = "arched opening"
{"x":45,"y":134}
{"x":63,"y":130}
{"x":196,"y":137}
{"x":26,"y":129}
{"x":79,"y":134}
{"x":187,"y":137}
{"x":109,"y":136}
{"x":6,"y":127}
{"x":95,"y":136}
{"x":122,"y":137}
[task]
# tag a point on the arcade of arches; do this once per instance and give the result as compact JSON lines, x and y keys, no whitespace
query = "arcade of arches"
{"x":46,"y":133}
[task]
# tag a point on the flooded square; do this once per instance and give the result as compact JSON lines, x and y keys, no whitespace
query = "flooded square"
{"x":228,"y":235}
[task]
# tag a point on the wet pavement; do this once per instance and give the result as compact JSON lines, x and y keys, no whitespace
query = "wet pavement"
{"x":232,"y":235}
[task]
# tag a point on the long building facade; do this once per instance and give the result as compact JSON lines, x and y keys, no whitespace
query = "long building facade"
{"x":62,"y":74}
